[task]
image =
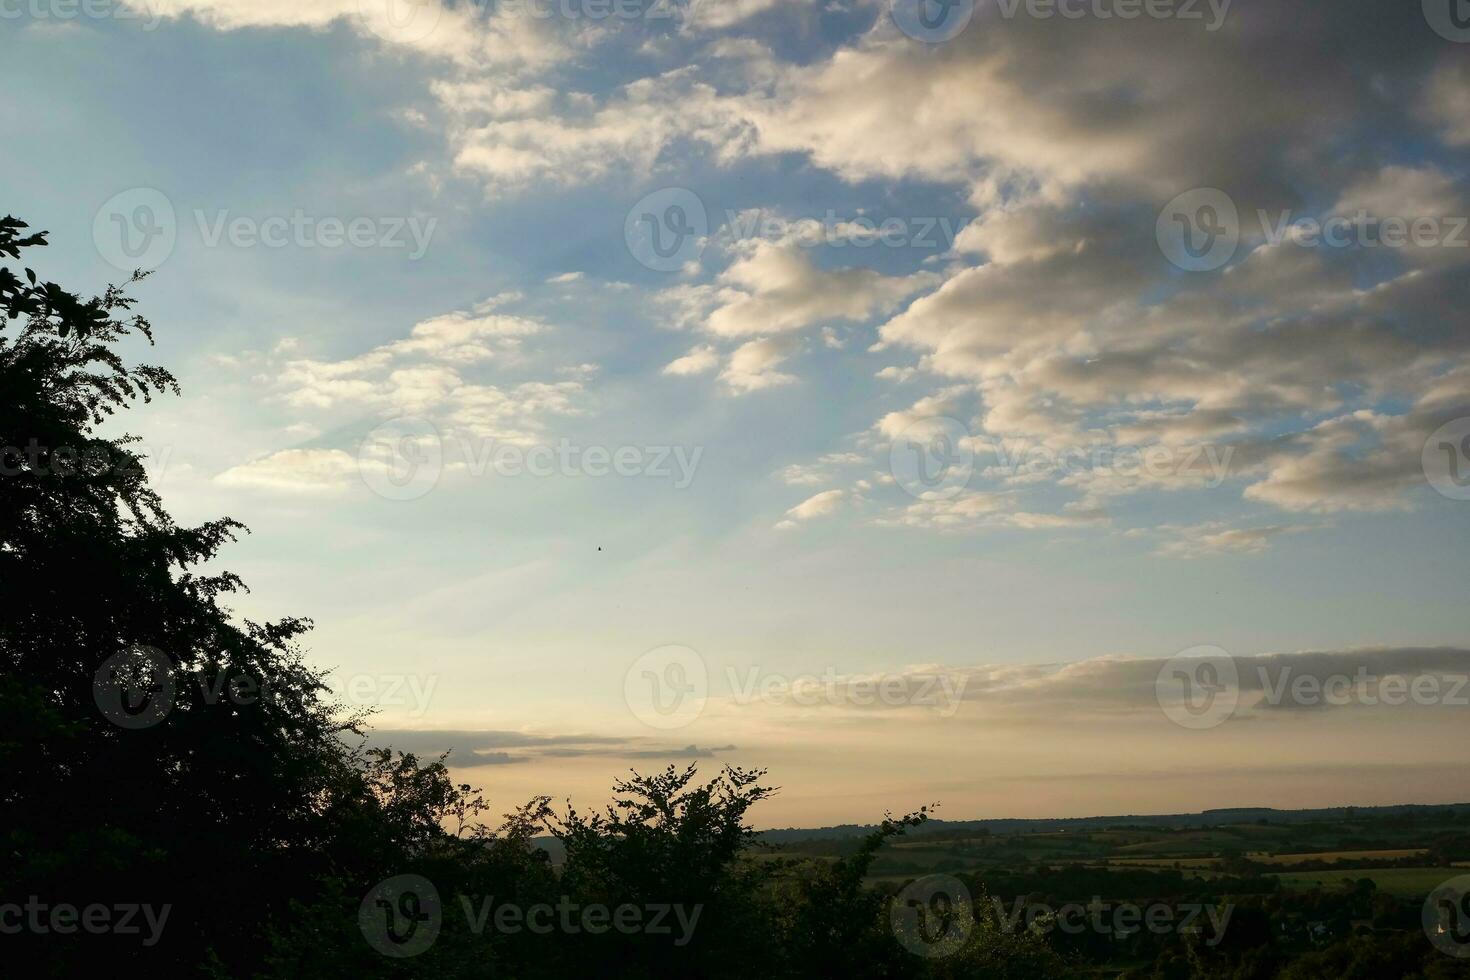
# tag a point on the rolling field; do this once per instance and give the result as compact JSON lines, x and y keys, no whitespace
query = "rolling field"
{"x":1404,"y":882}
{"x":1341,"y":856}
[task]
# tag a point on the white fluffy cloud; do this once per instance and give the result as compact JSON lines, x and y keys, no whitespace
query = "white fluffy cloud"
{"x":437,"y":373}
{"x":752,"y":365}
{"x":823,"y":504}
{"x":294,"y":471}
{"x":778,"y":288}
{"x":700,"y":360}
{"x":1057,"y":316}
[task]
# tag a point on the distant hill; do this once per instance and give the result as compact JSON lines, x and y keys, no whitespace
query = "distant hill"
{"x":1207,"y":818}
{"x":1011,"y":825}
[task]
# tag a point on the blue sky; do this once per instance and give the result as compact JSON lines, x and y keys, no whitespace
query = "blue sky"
{"x":1038,"y":311}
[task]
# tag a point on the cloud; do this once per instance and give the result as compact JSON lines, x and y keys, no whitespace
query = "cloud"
{"x":469,"y":749}
{"x":426,"y":374}
{"x":718,"y":14}
{"x":509,"y":138}
{"x":455,"y":33}
{"x":819,"y":505}
{"x":971,"y":510}
{"x":777,"y":288}
{"x":1357,"y":462}
{"x":803,"y":474}
{"x":1199,"y":540}
{"x":1407,"y":192}
{"x":699,"y":360}
{"x":1056,"y":319}
{"x":1117,"y":687}
{"x":436,"y":374}
{"x":671,"y":753}
{"x":295,"y":471}
{"x":1068,"y":326}
{"x":1444,"y":102}
{"x":752,"y":365}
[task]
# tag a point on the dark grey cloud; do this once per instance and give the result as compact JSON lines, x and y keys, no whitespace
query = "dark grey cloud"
{"x":469,"y":748}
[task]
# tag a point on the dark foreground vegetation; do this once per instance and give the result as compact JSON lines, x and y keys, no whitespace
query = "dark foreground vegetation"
{"x":182,"y":798}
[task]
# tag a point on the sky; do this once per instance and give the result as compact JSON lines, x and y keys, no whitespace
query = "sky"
{"x":912,"y":399}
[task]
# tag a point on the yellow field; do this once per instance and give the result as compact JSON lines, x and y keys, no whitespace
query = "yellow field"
{"x":1339,"y":856}
{"x":1264,"y":857}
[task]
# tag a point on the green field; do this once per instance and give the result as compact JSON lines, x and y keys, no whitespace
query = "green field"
{"x":1405,"y":882}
